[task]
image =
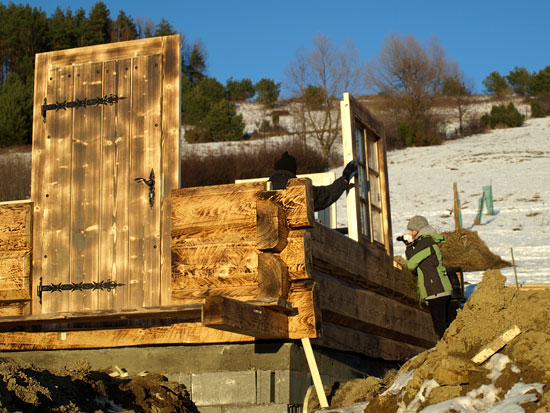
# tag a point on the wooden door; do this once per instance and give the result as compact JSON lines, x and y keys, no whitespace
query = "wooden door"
{"x":105,"y":153}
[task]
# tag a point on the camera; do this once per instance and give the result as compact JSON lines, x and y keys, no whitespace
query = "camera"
{"x":405,"y":238}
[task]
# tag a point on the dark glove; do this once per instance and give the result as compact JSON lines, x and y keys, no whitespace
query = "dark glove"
{"x":350,"y":170}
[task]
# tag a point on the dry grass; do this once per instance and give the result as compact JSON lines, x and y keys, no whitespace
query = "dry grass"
{"x":15,"y":178}
{"x":224,"y":168}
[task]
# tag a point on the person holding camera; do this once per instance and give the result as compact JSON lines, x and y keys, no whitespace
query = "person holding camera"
{"x":323,"y":196}
{"x":425,"y":260}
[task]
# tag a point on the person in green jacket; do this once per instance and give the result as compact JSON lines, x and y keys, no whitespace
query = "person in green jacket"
{"x":425,"y":260}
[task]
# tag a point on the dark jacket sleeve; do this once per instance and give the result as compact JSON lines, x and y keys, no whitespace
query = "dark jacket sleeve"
{"x":324,"y":196}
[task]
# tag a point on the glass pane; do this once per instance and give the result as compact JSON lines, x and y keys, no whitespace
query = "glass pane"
{"x":373,"y":154}
{"x":363,"y":186}
{"x":377,"y":226}
{"x":365,"y":230}
{"x":359,"y":145}
{"x":375,"y":190}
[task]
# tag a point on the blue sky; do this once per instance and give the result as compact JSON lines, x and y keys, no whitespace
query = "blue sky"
{"x":255,"y":38}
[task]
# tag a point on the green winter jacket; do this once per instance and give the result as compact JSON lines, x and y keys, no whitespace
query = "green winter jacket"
{"x":424,"y":259}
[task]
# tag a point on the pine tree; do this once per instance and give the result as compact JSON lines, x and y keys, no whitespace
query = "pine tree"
{"x":98,"y":30}
{"x":197,"y":66}
{"x":15,"y":111}
{"x":123,"y":28}
{"x":519,"y":80}
{"x":495,"y":84}
{"x":164,"y":28}
{"x":267,"y":91}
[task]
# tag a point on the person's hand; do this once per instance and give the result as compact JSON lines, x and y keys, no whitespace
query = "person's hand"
{"x":350,"y":170}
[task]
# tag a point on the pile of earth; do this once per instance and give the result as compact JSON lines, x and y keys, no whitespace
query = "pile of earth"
{"x":445,"y":379}
{"x":465,"y":249}
{"x":76,"y":388}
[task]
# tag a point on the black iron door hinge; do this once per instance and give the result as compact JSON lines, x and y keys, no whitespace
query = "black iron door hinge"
{"x":83,"y":103}
{"x":101,"y":285}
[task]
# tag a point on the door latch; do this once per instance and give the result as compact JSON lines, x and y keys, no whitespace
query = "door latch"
{"x":151,"y":184}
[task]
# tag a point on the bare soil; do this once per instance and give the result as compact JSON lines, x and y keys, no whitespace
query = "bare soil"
{"x":464,"y":248}
{"x":489,"y":312}
{"x":76,"y":388}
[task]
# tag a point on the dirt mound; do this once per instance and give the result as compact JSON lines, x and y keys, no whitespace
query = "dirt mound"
{"x":75,"y":388}
{"x":464,"y":248}
{"x":445,"y":378}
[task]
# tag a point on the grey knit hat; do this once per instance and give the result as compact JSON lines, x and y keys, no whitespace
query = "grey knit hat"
{"x":417,"y":222}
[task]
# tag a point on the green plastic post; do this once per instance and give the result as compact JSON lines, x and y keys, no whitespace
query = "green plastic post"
{"x":477,"y":221}
{"x":488,"y":195}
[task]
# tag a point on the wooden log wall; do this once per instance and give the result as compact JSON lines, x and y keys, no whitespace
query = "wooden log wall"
{"x":240,"y":242}
{"x":246,"y":264}
{"x":244,"y":243}
{"x":15,"y":257}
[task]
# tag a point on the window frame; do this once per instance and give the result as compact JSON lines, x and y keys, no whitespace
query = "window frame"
{"x":356,"y":117}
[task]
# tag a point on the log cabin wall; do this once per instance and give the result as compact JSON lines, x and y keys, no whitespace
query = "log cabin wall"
{"x":15,"y":257}
{"x":233,"y":240}
{"x":247,"y":264}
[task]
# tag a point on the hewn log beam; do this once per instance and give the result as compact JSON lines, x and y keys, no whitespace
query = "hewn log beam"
{"x":346,"y":339}
{"x":272,"y":276}
{"x":271,"y":227}
{"x":243,"y":318}
{"x":373,"y":313}
{"x":184,"y":333}
{"x":334,"y":253}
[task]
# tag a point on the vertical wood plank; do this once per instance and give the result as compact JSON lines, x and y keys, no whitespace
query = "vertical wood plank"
{"x":85,"y":182}
{"x":145,"y":156}
{"x":38,"y":159}
{"x":115,"y":147}
{"x":171,"y":113}
{"x":56,"y":199}
{"x":153,"y":153}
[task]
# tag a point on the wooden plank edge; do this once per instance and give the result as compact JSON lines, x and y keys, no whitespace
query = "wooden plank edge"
{"x":243,"y":318}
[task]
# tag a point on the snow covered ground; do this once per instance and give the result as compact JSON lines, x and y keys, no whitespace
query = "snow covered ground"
{"x":516,"y":162}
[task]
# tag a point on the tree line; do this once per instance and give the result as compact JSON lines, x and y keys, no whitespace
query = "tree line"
{"x":407,"y":78}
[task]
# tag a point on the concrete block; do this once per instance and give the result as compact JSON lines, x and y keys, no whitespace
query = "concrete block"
{"x":224,"y":388}
{"x":181,"y":378}
{"x":265,"y":385}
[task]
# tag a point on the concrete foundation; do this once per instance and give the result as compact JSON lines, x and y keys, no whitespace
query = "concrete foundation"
{"x":262,"y":377}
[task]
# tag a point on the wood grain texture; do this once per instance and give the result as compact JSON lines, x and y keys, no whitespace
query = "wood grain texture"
{"x":306,"y":321}
{"x":41,"y":72}
{"x":190,"y":296}
{"x":341,"y":257}
{"x":110,"y":51}
{"x":272,"y":276}
{"x":170,"y":142}
{"x":15,"y":250}
{"x":14,"y":309}
{"x":184,"y":333}
{"x":297,"y":202}
{"x":297,"y":255}
{"x":216,"y":264}
{"x":235,"y":316}
{"x":271,"y":227}
{"x":84,"y":189}
{"x":373,"y":313}
{"x":53,"y":229}
{"x":115,"y":181}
